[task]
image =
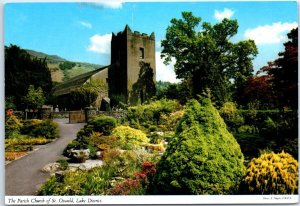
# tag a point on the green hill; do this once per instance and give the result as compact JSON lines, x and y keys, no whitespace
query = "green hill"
{"x":62,"y":69}
{"x":41,"y":55}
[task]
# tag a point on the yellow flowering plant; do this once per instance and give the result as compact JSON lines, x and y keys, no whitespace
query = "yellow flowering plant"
{"x":272,"y":174}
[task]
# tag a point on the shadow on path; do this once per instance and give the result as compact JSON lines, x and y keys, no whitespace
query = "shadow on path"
{"x":24,"y":176}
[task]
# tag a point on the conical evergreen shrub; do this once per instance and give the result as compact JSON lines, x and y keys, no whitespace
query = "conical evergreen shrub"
{"x":202,"y":158}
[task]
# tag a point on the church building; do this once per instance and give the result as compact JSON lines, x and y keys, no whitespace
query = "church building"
{"x":130,"y":76}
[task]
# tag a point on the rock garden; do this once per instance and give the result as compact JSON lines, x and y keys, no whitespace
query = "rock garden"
{"x":166,"y":148}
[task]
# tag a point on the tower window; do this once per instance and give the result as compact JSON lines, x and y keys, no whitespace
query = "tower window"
{"x":142,"y":53}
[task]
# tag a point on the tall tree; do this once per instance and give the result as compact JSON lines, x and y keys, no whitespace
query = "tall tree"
{"x":284,"y":72}
{"x":207,"y":58}
{"x":34,"y":98}
{"x":21,"y":70}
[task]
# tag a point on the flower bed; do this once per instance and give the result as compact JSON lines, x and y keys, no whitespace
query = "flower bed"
{"x":10,"y":156}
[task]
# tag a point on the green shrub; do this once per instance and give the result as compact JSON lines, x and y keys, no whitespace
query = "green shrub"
{"x":130,"y":138}
{"x":231,"y":116}
{"x":291,"y":147}
{"x":91,"y":137}
{"x":63,"y":164}
{"x":84,"y":140}
{"x":246,"y":129}
{"x":12,"y":126}
{"x":258,"y":118}
{"x":152,"y":128}
{"x":250,"y":144}
{"x":202,"y":158}
{"x":269,"y":128}
{"x":93,"y":182}
{"x":47,"y":129}
{"x":24,"y":140}
{"x":40,"y":128}
{"x":110,"y":141}
{"x":103,"y":124}
{"x":151,"y":113}
{"x":272,"y":174}
{"x":171,"y":120}
{"x":126,"y":162}
{"x":273,"y":129}
{"x":28,"y":125}
{"x":97,"y":181}
{"x":51,"y":187}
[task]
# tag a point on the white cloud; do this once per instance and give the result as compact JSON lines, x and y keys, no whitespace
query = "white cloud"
{"x":85,"y":24}
{"x":270,"y":34}
{"x":112,"y":4}
{"x":226,"y":13}
{"x":165,"y":72}
{"x":100,"y":43}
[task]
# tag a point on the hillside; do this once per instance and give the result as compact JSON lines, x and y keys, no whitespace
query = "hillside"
{"x":41,"y":55}
{"x":62,"y":69}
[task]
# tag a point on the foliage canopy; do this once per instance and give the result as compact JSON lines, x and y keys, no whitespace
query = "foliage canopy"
{"x":34,"y":98}
{"x":207,"y":58}
{"x":21,"y":70}
{"x":87,"y":94}
{"x":284,"y":72}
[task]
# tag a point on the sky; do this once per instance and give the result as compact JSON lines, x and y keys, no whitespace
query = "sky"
{"x":81,"y":31}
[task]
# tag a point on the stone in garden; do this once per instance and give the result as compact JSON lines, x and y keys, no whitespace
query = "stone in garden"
{"x":87,"y":165}
{"x":98,"y":154}
{"x":51,"y":168}
{"x":79,"y":155}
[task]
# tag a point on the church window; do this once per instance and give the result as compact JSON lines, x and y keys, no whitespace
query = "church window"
{"x":142,"y":54}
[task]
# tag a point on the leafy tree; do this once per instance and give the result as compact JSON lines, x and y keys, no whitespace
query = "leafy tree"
{"x":207,"y":58}
{"x":179,"y":91}
{"x":161,"y":86}
{"x":284,"y":72}
{"x":202,"y":157}
{"x":21,"y":70}
{"x":87,"y":94}
{"x":34,"y":98}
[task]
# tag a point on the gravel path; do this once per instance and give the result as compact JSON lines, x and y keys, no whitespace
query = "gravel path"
{"x":24,"y":176}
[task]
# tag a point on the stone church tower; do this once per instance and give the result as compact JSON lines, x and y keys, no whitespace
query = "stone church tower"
{"x":132,"y":75}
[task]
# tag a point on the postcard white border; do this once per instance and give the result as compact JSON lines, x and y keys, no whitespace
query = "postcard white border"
{"x":152,"y":200}
{"x":122,"y":200}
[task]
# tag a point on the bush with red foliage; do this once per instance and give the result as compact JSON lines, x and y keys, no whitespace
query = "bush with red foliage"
{"x":137,"y":185}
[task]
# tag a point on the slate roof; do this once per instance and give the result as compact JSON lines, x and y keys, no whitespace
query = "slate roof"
{"x":75,"y":82}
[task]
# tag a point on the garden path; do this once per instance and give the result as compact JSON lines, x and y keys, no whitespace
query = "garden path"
{"x":24,"y":176}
